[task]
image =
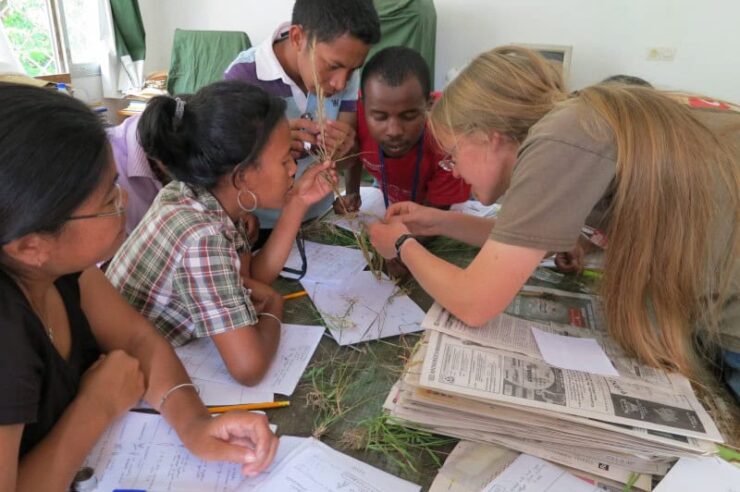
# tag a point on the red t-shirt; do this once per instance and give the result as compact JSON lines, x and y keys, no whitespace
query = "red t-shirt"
{"x":436,"y":186}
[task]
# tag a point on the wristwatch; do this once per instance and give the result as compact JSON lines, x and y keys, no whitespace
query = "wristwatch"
{"x":399,"y":242}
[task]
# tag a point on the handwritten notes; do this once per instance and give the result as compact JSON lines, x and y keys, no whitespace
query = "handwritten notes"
{"x":141,"y":451}
{"x":297,"y":345}
{"x":315,"y":467}
{"x":530,"y":474}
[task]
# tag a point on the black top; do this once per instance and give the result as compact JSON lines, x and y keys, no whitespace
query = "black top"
{"x":36,"y":383}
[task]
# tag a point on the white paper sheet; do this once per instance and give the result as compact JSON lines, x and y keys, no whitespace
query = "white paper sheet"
{"x":297,"y":345}
{"x":315,"y":467}
{"x":474,"y":207}
{"x":530,"y":474}
{"x":371,"y":210}
{"x":364,"y":308}
{"x":233,"y":393}
{"x":141,"y":451}
{"x":578,"y":354}
{"x":701,"y":474}
{"x":325,"y":263}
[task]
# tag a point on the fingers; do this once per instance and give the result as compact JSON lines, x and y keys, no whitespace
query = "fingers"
{"x":347,"y":204}
{"x":266,"y":446}
{"x":400,"y":208}
{"x":299,"y":136}
{"x":340,"y":206}
{"x":304,"y":125}
{"x":312,"y":172}
{"x":338,"y":137}
{"x":566,"y":262}
{"x":244,"y":438}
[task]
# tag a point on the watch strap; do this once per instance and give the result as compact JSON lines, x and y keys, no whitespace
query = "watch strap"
{"x":399,"y":242}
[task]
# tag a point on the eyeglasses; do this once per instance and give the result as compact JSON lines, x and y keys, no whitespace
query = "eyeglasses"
{"x":118,"y":210}
{"x":448,"y":164}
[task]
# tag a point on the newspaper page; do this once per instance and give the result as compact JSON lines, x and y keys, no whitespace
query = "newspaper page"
{"x":651,"y":442}
{"x":620,"y":437}
{"x":484,"y":373}
{"x":567,"y":456}
{"x":558,"y":306}
{"x":514,"y":334}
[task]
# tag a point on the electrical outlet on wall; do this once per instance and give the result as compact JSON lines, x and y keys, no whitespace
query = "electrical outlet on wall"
{"x":661,"y":53}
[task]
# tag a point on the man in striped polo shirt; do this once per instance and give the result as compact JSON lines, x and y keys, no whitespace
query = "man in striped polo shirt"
{"x":341,"y":32}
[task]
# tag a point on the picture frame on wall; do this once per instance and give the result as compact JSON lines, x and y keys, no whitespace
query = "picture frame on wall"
{"x":559,"y":54}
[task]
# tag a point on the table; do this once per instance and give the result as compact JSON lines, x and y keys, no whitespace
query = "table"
{"x":341,"y":394}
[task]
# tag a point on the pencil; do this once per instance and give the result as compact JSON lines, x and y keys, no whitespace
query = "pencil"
{"x":249,"y":406}
{"x":587,"y":272}
{"x":295,"y":295}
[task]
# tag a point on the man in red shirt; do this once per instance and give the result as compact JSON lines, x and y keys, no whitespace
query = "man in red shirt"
{"x":395,"y":146}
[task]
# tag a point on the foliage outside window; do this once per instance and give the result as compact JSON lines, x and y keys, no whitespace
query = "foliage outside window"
{"x":44,"y":50}
{"x":27,"y":24}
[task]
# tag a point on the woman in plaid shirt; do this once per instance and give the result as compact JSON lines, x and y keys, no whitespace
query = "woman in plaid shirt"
{"x":186,"y":266}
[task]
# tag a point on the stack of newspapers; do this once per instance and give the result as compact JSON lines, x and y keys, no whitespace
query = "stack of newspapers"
{"x":490,"y":384}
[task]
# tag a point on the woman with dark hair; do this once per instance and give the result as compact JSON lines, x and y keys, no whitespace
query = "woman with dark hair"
{"x":187,"y":266}
{"x":74,"y":355}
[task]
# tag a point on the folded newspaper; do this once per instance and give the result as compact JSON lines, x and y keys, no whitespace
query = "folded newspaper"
{"x":491,"y":385}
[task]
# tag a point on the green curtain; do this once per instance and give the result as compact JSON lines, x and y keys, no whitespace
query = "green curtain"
{"x":201,"y":57}
{"x":410,"y":23}
{"x":129,"y":28}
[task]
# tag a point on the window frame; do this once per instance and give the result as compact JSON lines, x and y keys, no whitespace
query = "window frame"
{"x":62,"y":51}
{"x":61,"y":34}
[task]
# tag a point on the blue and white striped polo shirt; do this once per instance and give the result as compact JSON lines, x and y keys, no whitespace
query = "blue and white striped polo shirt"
{"x":259,"y":66}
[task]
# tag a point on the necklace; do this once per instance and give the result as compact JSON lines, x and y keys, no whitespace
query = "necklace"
{"x":417,"y":168}
{"x":43,"y":315}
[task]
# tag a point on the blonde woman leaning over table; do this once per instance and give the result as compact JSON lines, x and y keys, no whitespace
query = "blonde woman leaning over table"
{"x":661,"y":179}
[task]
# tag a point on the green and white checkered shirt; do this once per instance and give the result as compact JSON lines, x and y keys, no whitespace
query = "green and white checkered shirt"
{"x":180,"y":266}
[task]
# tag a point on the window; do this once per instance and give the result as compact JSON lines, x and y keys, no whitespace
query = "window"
{"x":53,"y":36}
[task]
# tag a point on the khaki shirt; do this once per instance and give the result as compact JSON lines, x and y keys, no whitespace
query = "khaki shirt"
{"x":564,"y":178}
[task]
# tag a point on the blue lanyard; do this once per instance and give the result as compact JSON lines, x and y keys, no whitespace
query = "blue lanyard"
{"x":417,"y":171}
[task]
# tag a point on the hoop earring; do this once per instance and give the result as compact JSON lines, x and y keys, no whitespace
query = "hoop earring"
{"x":241,"y":206}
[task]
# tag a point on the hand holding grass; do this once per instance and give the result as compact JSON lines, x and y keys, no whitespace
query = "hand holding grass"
{"x":302,"y":131}
{"x":420,"y":220}
{"x":383,"y":236}
{"x":317,"y":182}
{"x":347,"y":204}
{"x":337,"y":139}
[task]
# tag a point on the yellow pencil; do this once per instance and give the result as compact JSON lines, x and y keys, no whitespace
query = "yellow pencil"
{"x":295,"y":295}
{"x":249,"y":406}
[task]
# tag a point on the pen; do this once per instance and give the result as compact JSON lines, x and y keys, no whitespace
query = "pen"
{"x":248,"y":406}
{"x":295,"y":295}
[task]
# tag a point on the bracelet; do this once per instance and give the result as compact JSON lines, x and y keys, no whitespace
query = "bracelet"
{"x":270,"y":315}
{"x":175,"y":388}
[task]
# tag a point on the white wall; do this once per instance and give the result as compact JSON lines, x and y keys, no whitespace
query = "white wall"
{"x":258,"y":18}
{"x":608,"y":36}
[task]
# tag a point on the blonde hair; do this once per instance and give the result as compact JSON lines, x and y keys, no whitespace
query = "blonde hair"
{"x":507,"y":89}
{"x":662,"y":277}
